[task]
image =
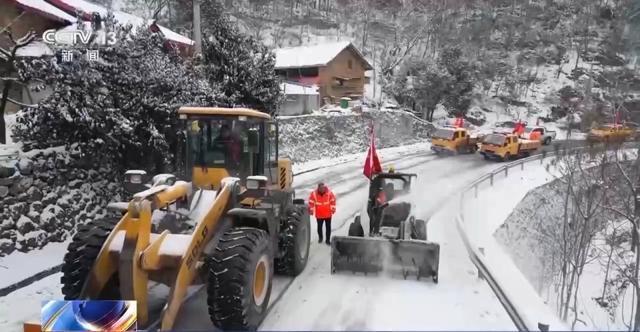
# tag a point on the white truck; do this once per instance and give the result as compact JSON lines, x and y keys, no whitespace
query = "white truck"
{"x":546,"y":136}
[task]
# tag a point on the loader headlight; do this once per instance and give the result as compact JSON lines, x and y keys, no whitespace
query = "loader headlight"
{"x":256,"y":182}
{"x":136,"y":179}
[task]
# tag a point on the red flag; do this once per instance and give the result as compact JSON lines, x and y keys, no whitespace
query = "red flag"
{"x":372,"y":164}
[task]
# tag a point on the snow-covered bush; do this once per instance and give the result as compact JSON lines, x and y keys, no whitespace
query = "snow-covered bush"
{"x":119,"y":110}
{"x":240,"y":65}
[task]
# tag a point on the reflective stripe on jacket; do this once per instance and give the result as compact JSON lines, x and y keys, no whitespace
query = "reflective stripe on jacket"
{"x":322,"y":206}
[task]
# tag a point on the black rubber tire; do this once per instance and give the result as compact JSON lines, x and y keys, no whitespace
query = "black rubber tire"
{"x":419,"y":230}
{"x":485,"y":157}
{"x":507,"y":157}
{"x":81,"y":254}
{"x":547,"y":141}
{"x":296,"y":233}
{"x":355,"y":229}
{"x":230,"y":274}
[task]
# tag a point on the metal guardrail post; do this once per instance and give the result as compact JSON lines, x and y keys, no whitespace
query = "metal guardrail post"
{"x":491,"y":179}
{"x":522,"y":166}
{"x":476,"y":191}
{"x":506,"y":171}
{"x":480,"y":275}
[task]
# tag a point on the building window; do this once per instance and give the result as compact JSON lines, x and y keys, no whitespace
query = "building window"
{"x":350,"y":64}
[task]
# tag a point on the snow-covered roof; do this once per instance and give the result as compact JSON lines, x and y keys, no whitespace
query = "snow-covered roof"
{"x":297,"y":89}
{"x":313,"y":55}
{"x":34,"y":49}
{"x":46,"y":9}
{"x":87,"y":8}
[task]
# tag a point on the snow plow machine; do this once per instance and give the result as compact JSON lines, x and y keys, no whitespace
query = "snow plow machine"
{"x":245,"y":225}
{"x":397,"y":241}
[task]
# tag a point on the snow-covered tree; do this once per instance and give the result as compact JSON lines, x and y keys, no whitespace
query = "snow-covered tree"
{"x":241,"y":66}
{"x":121,"y":109}
{"x":8,"y":59}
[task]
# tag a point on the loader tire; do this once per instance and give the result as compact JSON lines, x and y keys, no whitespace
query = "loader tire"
{"x":294,"y":242}
{"x":81,"y":254}
{"x":240,"y":276}
{"x":419,"y":230}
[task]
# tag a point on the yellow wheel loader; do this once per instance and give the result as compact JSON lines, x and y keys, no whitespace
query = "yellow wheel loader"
{"x":245,"y":225}
{"x":397,"y":241}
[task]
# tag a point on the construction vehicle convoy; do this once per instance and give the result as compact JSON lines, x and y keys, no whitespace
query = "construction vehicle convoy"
{"x":504,"y":147}
{"x":246,"y":225}
{"x":397,"y":241}
{"x":454,"y":140}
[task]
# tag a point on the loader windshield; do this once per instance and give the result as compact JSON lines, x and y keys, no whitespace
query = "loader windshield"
{"x":443,"y":134}
{"x":222,"y":143}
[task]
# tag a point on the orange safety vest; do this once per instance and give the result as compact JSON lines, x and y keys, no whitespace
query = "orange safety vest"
{"x":322,"y":206}
{"x":534,"y":136}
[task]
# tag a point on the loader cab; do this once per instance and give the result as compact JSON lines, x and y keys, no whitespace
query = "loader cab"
{"x":236,"y":142}
{"x":394,"y":185}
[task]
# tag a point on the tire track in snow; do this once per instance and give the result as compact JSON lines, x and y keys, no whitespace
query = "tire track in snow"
{"x":355,"y":299}
{"x":55,"y":269}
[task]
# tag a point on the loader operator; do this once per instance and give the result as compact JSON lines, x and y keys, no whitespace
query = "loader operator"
{"x":230,"y":144}
{"x":385,"y":194}
{"x":322,"y":205}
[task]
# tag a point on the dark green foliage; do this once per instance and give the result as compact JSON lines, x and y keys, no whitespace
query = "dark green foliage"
{"x":241,"y":66}
{"x":119,"y":111}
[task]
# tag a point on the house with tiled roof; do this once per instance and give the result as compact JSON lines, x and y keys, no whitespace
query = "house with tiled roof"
{"x":337,"y":69}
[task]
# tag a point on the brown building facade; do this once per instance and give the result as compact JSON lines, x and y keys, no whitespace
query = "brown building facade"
{"x":338,"y":69}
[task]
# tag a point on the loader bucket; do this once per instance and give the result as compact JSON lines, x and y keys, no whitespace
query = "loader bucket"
{"x":371,"y":255}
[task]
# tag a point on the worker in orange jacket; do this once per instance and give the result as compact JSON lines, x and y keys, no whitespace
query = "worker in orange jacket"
{"x":322,"y":205}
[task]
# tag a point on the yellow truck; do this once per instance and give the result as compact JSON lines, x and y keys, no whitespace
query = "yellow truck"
{"x":453,"y":141}
{"x":507,"y":147}
{"x":611,"y":133}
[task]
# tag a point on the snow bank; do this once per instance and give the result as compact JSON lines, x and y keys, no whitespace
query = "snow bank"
{"x":315,"y":137}
{"x":528,"y":234}
{"x":481,"y":222}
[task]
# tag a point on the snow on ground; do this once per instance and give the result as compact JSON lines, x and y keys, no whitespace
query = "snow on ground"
{"x":481,"y":223}
{"x":318,"y":300}
{"x":527,"y":218}
{"x":19,"y":266}
{"x":24,"y":304}
{"x":387,"y":153}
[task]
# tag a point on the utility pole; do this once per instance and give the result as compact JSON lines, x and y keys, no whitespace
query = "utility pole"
{"x":197,"y":30}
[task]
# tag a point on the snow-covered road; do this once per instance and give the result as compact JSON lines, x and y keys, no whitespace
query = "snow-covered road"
{"x":317,"y":300}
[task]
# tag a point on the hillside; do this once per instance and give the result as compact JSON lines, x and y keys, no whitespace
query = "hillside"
{"x":517,"y":59}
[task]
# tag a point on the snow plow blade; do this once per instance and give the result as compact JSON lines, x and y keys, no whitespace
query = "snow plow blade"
{"x":373,"y":255}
